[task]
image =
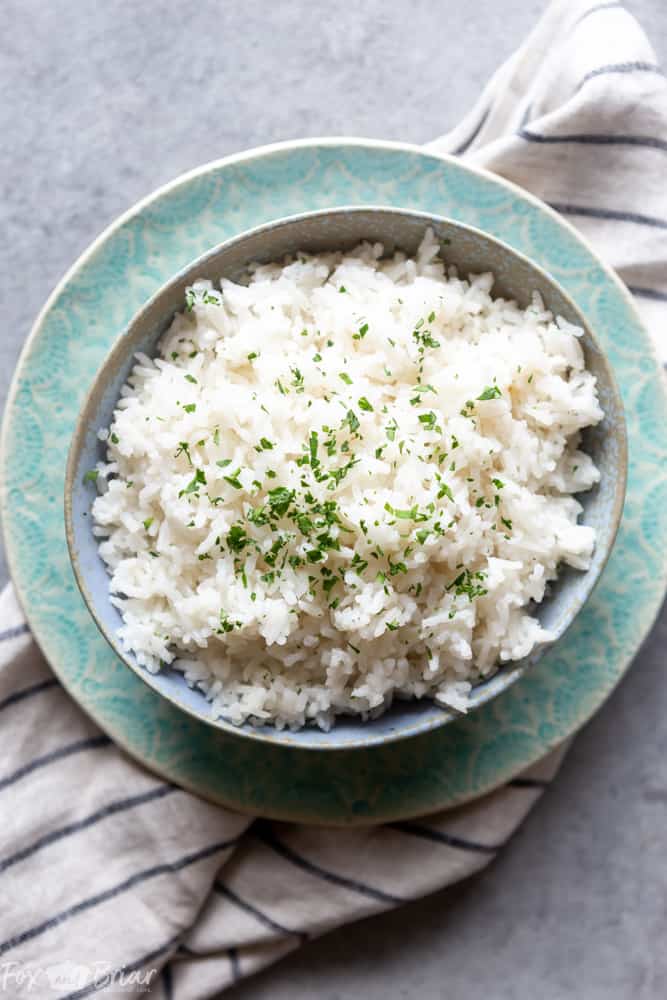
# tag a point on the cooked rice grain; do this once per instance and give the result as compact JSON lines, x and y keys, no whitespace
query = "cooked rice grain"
{"x":345,"y":482}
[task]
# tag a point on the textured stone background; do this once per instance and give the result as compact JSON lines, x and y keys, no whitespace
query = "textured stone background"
{"x":102,"y":102}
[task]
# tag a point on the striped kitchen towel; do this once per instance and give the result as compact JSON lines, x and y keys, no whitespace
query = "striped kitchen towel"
{"x":578,"y":116}
{"x":116,"y":882}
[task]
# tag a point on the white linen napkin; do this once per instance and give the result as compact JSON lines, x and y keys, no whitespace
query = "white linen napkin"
{"x":115,"y":881}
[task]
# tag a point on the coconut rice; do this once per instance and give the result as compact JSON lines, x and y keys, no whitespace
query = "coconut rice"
{"x":343,"y":483}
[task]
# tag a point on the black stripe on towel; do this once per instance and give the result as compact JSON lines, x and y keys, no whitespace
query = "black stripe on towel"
{"x":528,"y":783}
{"x":184,"y":950}
{"x":467,"y":143}
{"x":235,"y":965}
{"x":103,"y":981}
{"x":608,"y":213}
{"x":13,"y":633}
{"x":591,"y":139}
{"x":263,"y":918}
{"x":119,"y":806}
{"x":628,"y":67}
{"x":168,"y":982}
{"x":92,"y":743}
{"x":267,"y":837}
{"x":648,"y":293}
{"x":28,"y":692}
{"x":449,"y":839}
{"x":168,"y":868}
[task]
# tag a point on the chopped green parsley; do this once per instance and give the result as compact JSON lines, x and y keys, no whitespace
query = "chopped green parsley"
{"x":491,"y":392}
{"x":198,"y":480}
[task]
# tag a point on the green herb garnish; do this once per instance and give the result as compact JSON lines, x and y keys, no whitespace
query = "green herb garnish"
{"x":237,"y":538}
{"x":398,"y":567}
{"x":428,"y":420}
{"x":183,"y":449}
{"x":233,"y":480}
{"x":279,"y":500}
{"x":491,"y":392}
{"x":225,"y":624}
{"x":465,"y":585}
{"x":351,"y":420}
{"x":194,"y":484}
{"x":297,"y":379}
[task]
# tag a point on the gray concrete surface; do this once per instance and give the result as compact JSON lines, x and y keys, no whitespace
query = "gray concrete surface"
{"x":102,"y":102}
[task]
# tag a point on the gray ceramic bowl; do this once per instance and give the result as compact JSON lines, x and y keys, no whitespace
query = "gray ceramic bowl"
{"x":472,"y":251}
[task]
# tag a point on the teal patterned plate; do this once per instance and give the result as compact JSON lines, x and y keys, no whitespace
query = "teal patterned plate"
{"x":74,"y":332}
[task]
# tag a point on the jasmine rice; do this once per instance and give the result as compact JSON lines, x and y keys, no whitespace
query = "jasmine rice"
{"x":343,"y":483}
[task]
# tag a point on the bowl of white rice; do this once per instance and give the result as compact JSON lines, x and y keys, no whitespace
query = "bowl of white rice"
{"x":346,"y":477}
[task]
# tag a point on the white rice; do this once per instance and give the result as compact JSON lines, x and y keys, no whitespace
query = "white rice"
{"x":454,"y":516}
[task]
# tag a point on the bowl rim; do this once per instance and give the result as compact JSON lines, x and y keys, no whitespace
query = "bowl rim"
{"x":269,"y":734}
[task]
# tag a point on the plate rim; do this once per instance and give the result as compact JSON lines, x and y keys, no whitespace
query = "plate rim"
{"x":214,"y":165}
